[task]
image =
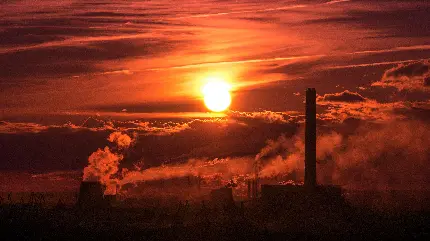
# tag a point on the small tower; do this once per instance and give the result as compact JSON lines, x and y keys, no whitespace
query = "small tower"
{"x":90,"y":195}
{"x":310,"y":140}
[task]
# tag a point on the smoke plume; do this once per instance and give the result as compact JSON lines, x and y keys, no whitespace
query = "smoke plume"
{"x":375,"y":156}
{"x":223,"y":169}
{"x":392,"y":156}
{"x":123,"y":141}
{"x":287,"y":155}
{"x":103,"y":164}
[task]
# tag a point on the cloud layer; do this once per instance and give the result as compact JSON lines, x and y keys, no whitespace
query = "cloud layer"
{"x":412,"y":76}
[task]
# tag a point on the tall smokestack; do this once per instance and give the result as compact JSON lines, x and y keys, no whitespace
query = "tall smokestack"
{"x":310,"y":139}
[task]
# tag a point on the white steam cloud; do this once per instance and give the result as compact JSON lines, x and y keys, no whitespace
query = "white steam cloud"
{"x":393,"y":155}
{"x":103,"y":164}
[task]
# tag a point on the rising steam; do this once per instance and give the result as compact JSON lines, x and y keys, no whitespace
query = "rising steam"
{"x":103,"y":164}
{"x":394,"y":155}
{"x":224,"y":169}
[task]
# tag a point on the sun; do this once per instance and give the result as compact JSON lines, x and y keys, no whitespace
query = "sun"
{"x":216,"y":94}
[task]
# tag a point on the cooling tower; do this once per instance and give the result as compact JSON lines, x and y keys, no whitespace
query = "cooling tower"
{"x":91,"y":195}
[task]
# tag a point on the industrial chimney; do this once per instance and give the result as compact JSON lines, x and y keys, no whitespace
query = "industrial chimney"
{"x":310,"y":139}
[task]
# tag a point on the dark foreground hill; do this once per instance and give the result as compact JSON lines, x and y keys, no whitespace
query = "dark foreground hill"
{"x":199,"y":222}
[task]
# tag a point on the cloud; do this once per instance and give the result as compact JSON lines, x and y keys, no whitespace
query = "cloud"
{"x":79,"y":56}
{"x":67,"y":146}
{"x":286,"y":155}
{"x":58,"y":175}
{"x":228,"y":149}
{"x":90,"y":124}
{"x":244,"y":61}
{"x":368,"y":110}
{"x":345,"y":96}
{"x":122,"y":140}
{"x":336,"y":1}
{"x":243,"y":12}
{"x":393,"y":105}
{"x":390,"y":155}
{"x":343,"y":105}
{"x":373,"y":64}
{"x":264,"y":116}
{"x":408,"y":21}
{"x":224,"y":168}
{"x":282,"y":156}
{"x":102,"y":164}
{"x":99,"y":125}
{"x":408,"y":70}
{"x":376,"y":156}
{"x":410,"y":76}
{"x":179,"y":106}
{"x":10,"y":127}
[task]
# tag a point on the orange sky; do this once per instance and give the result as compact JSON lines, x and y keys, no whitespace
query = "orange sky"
{"x":72,"y":72}
{"x":79,"y":56}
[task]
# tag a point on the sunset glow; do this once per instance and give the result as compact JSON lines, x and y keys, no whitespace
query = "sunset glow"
{"x":216,"y":94}
{"x":214,"y":119}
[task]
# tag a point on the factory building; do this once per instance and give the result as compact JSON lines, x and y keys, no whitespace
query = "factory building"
{"x":91,"y":196}
{"x":311,"y":140}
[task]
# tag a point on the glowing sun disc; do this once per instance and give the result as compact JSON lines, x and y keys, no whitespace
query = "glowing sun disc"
{"x":217,"y":96}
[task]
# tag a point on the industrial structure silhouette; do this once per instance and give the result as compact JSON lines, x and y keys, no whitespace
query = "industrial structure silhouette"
{"x":91,"y":193}
{"x":287,"y":211}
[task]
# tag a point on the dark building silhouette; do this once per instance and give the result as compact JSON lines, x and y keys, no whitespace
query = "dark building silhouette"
{"x":310,"y":139}
{"x":222,"y":197}
{"x":252,"y":188}
{"x":109,"y":200}
{"x":91,"y":195}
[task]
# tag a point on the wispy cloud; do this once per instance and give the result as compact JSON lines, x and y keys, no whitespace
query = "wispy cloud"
{"x":373,"y":64}
{"x":395,"y":49}
{"x":242,"y":12}
{"x":336,"y":1}
{"x":76,"y":41}
{"x":345,"y":96}
{"x":407,"y":76}
{"x":305,"y":57}
{"x":264,"y":10}
{"x":246,"y":61}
